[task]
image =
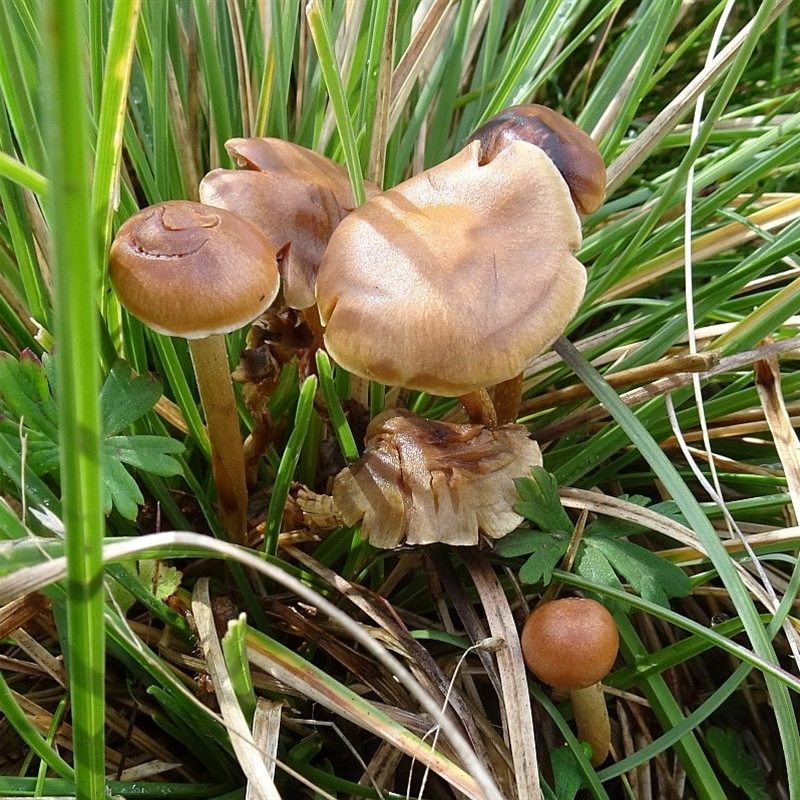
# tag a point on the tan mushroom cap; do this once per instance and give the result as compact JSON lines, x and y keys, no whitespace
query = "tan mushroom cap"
{"x":572,"y":150}
{"x":422,"y":481}
{"x":296,"y":196}
{"x":185,"y":269}
{"x":453,"y":280}
{"x":570,"y":643}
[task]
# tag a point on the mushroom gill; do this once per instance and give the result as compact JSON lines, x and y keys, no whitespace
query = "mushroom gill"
{"x":423,"y":481}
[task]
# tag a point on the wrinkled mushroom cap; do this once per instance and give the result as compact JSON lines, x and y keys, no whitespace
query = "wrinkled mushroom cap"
{"x":570,"y":643}
{"x":423,"y":481}
{"x":571,"y":149}
{"x":295,"y":196}
{"x":185,"y":269}
{"x":455,"y":279}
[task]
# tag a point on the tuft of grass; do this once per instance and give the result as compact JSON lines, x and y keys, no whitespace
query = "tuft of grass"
{"x":667,"y":416}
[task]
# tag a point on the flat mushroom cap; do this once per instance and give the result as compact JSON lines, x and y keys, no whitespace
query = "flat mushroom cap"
{"x":455,"y":279}
{"x":571,"y":149}
{"x":423,"y":481}
{"x":296,"y":196}
{"x":185,"y":269}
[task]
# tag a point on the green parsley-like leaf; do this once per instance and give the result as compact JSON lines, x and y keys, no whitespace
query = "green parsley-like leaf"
{"x":28,"y":412}
{"x":738,"y":764}
{"x":125,"y":398}
{"x":540,"y":502}
{"x":567,"y":777}
{"x":160,"y":578}
{"x":591,"y":563}
{"x":547,"y":551}
{"x":24,"y":393}
{"x":653,"y":577}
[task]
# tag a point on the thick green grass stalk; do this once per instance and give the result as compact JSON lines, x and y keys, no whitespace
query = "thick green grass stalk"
{"x":76,"y":328}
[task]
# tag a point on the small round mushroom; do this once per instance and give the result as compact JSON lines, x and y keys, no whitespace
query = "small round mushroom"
{"x":569,"y":147}
{"x":572,"y":644}
{"x":296,"y":196}
{"x":453,"y":280}
{"x":188,"y":270}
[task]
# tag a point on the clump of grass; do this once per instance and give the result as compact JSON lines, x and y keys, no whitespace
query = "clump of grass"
{"x":666,"y":416}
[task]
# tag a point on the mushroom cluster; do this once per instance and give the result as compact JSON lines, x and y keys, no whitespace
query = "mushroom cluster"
{"x":295,"y":196}
{"x":448,"y":283}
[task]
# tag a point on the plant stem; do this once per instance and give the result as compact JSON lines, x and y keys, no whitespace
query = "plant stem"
{"x":507,"y":398}
{"x":479,"y":408}
{"x":76,"y":278}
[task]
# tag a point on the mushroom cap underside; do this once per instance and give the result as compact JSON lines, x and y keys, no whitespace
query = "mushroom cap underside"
{"x":185,"y":269}
{"x":426,"y":481}
{"x":456,"y":278}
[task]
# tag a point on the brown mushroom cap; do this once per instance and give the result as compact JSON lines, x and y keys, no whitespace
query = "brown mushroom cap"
{"x":422,"y":481}
{"x":571,"y":149}
{"x":453,"y":280}
{"x":570,"y":643}
{"x":185,"y":269}
{"x":295,"y":196}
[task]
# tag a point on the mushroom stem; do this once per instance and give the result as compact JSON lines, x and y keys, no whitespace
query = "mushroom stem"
{"x":480,"y":408}
{"x":212,"y":371}
{"x":591,"y":720}
{"x":507,"y":399}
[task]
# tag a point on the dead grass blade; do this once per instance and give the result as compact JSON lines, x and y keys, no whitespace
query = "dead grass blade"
{"x":319,"y":687}
{"x":772,"y":218}
{"x":266,"y":730}
{"x":515,"y":698}
{"x":768,"y":385}
{"x":249,"y":755}
{"x":429,"y":31}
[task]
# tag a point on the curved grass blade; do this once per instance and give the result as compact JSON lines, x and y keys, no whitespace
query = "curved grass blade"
{"x":337,"y":418}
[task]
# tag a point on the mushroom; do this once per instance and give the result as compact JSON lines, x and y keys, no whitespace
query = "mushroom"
{"x":569,"y":147}
{"x":453,"y":280}
{"x":423,"y":481}
{"x":572,"y":644}
{"x":575,"y":156}
{"x":188,"y":270}
{"x":296,"y":196}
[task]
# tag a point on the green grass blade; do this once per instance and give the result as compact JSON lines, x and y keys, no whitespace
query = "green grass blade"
{"x":223,"y":113}
{"x":26,"y":730}
{"x":289,"y":459}
{"x":22,"y":174}
{"x":320,"y":31}
{"x":76,"y":278}
{"x":337,"y":418}
{"x":116,"y":78}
